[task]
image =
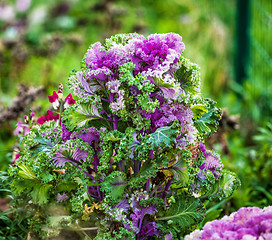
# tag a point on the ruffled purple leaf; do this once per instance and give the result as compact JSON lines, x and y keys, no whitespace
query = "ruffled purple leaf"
{"x":149,"y":230}
{"x":169,"y":93}
{"x":122,"y":204}
{"x":65,"y":134}
{"x":213,"y":163}
{"x":203,"y":149}
{"x":90,"y":87}
{"x":138,"y":215}
{"x":62,"y":197}
{"x":168,"y":236}
{"x":67,"y":155}
{"x":89,"y":135}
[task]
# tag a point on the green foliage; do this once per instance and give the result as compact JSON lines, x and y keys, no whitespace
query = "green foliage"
{"x":13,"y":226}
{"x":163,"y":137}
{"x":265,"y":135}
{"x":208,"y":122}
{"x":184,"y":213}
{"x":253,"y":166}
{"x":188,"y":75}
{"x":228,"y":183}
{"x":148,"y":170}
{"x":4,"y":183}
{"x":42,"y":145}
{"x":31,"y":185}
{"x":114,"y":185}
{"x":79,"y":116}
{"x":180,"y":172}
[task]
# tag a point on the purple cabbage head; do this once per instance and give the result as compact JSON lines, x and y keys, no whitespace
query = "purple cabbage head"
{"x":248,"y":223}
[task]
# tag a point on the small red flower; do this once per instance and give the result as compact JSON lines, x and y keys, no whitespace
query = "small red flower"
{"x":41,"y":120}
{"x":15,"y":157}
{"x":69,"y":99}
{"x":54,"y":97}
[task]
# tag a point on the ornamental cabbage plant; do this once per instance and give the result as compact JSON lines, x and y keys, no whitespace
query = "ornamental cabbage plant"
{"x":248,"y":223}
{"x":123,"y":156}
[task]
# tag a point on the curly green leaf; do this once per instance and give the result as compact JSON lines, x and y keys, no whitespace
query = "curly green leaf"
{"x":184,"y":213}
{"x":163,"y":137}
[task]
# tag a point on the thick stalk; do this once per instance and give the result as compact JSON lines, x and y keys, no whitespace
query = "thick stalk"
{"x":115,"y":122}
{"x":60,"y":112}
{"x":96,"y":161}
{"x":100,"y":198}
{"x":137,"y":166}
{"x":120,"y":166}
{"x":167,"y":186}
{"x":147,"y":185}
{"x":114,"y":117}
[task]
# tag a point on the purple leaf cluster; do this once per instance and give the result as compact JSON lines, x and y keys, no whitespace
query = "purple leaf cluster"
{"x":211,"y":162}
{"x":143,"y":228}
{"x":154,"y":57}
{"x":69,"y":155}
{"x":248,"y":223}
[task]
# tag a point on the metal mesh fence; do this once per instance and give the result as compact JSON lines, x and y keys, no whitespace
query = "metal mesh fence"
{"x":260,"y":64}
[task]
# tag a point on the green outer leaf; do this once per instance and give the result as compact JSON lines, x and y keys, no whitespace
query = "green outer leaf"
{"x":148,"y":169}
{"x":224,"y":187}
{"x":40,"y":193}
{"x":43,"y":145}
{"x":79,"y":119}
{"x":31,"y":185}
{"x":37,"y":190}
{"x":208,"y":122}
{"x":180,"y":171}
{"x":211,"y":215}
{"x":26,"y":172}
{"x":188,"y":75}
{"x":163,"y":137}
{"x":114,"y":185}
{"x":81,"y":115}
{"x":198,"y":111}
{"x":228,"y":183}
{"x":185,"y":212}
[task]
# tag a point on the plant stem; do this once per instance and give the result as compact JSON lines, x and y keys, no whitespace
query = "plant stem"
{"x":120,"y":166}
{"x":154,"y":190}
{"x":114,"y":117}
{"x":137,"y":166}
{"x":167,"y":186}
{"x":79,"y":229}
{"x":60,"y":112}
{"x":147,"y":185}
{"x":115,"y":122}
{"x":86,"y":235}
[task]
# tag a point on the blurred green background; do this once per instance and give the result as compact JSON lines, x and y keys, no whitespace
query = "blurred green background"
{"x":42,"y":41}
